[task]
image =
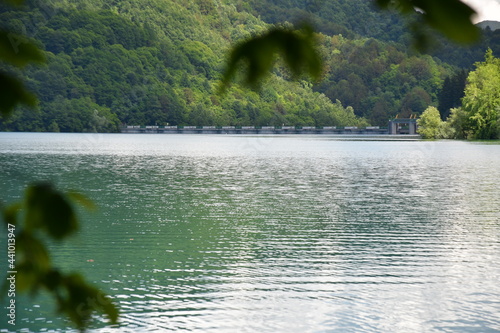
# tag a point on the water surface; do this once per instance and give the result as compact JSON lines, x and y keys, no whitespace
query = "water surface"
{"x":224,"y":233}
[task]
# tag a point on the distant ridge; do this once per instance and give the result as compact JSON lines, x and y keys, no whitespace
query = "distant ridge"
{"x":493,"y":25}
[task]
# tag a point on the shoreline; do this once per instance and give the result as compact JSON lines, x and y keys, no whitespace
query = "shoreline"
{"x":369,"y":133}
{"x":375,"y":130}
{"x":333,"y":135}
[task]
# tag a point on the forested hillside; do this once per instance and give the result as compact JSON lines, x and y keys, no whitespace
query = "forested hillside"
{"x":111,"y":63}
{"x":465,"y":57}
{"x":351,"y":18}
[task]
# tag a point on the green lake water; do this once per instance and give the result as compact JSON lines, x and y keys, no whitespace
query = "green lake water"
{"x":200,"y":233}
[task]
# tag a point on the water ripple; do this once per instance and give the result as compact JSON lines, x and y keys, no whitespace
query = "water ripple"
{"x":290,"y":234}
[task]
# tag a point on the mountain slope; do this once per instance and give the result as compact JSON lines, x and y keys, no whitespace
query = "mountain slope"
{"x":159,"y":62}
{"x":492,"y":25}
{"x":150,"y":62}
{"x":351,"y":18}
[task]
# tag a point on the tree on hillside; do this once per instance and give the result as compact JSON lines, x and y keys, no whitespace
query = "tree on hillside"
{"x":450,"y":95}
{"x":415,"y":101}
{"x":482,"y":98}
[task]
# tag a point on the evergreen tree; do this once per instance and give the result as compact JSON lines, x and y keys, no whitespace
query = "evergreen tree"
{"x":451,"y":94}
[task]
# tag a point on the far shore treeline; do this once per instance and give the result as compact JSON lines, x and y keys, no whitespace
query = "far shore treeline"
{"x":478,"y":115}
{"x":130,"y":62}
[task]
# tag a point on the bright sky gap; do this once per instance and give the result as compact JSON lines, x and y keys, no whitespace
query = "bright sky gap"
{"x":487,"y":10}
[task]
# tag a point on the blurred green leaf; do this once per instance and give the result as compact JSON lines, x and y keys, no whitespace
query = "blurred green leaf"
{"x":32,"y":251}
{"x":82,"y":299}
{"x":109,"y":308}
{"x":14,"y":2}
{"x":53,"y":280}
{"x":297,"y":48}
{"x":33,"y":261}
{"x":83,"y":200}
{"x":49,"y":209}
{"x":453,"y":18}
{"x":12,"y":93}
{"x":10,"y":213}
{"x":18,"y":50}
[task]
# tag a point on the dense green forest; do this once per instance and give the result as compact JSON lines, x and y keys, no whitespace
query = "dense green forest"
{"x":158,"y":62}
{"x":478,"y":115}
{"x":351,"y":19}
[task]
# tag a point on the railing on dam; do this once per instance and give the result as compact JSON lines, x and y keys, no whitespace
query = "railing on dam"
{"x":374,"y":130}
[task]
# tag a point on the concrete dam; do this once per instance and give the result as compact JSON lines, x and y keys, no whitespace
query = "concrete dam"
{"x":396,"y":127}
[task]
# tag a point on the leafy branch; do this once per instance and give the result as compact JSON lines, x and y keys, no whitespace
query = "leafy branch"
{"x":453,"y":18}
{"x":49,"y":214}
{"x":297,"y":47}
{"x":17,"y":51}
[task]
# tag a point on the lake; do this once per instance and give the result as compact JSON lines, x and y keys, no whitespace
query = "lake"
{"x":221,"y":233}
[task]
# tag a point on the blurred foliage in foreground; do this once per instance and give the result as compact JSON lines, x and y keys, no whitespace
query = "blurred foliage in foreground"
{"x":17,"y":51}
{"x":47,"y":213}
